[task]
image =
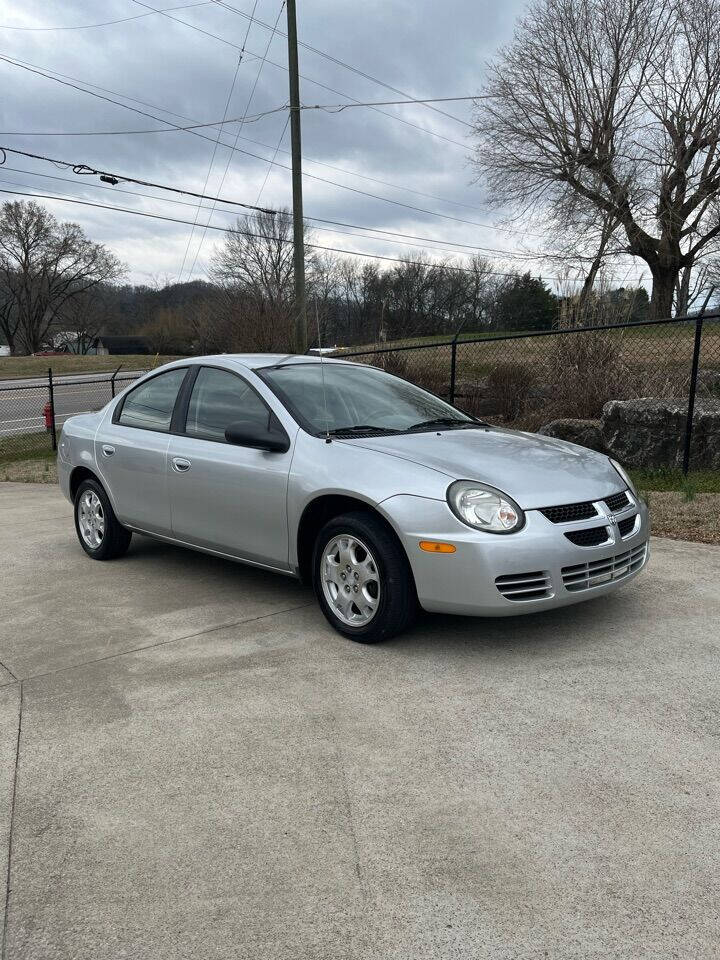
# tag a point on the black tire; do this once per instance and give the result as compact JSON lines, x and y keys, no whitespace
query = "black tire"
{"x":115,"y":538}
{"x":397,"y":603}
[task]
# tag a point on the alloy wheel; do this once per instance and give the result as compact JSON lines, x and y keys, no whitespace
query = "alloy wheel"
{"x":91,"y":519}
{"x":350,"y":580}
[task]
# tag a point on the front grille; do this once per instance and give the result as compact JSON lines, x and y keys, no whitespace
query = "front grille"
{"x":618,"y":501}
{"x":627,"y":525}
{"x":525,"y":586}
{"x":592,"y":537}
{"x":583,"y":576}
{"x":569,"y":512}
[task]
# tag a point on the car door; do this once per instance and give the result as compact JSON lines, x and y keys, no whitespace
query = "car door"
{"x":131,"y":451}
{"x":225,"y":497}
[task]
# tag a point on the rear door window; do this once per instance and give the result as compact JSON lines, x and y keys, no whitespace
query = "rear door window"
{"x":150,"y":406}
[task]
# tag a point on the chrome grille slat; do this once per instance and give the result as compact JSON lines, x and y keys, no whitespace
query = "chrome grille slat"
{"x":525,"y":586}
{"x":583,"y":576}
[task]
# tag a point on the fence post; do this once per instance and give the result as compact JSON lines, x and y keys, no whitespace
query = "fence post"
{"x":453,"y":360}
{"x":53,"y":433}
{"x":453,"y":366}
{"x":112,"y":381}
{"x":691,"y":394}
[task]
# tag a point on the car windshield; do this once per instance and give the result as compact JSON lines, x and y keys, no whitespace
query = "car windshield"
{"x":349,"y":398}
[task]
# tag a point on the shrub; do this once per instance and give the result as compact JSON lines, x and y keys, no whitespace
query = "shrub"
{"x":586,"y":370}
{"x":510,"y":384}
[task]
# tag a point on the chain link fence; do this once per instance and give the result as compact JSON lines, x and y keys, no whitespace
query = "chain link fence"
{"x":646,"y":392}
{"x":33,"y":410}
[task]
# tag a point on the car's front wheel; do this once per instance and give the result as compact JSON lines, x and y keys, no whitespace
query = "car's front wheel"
{"x":100,"y":533}
{"x":362,"y":578}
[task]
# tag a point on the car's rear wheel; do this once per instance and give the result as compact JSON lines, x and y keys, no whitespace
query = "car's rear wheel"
{"x":100,"y":533}
{"x":362,"y":578}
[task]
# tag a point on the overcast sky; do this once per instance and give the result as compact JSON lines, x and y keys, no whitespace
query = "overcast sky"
{"x":172,"y":71}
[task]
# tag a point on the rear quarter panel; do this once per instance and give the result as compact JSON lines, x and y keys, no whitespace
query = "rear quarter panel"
{"x":76,"y":447}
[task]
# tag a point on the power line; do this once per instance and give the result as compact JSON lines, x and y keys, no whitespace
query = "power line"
{"x":105,"y":23}
{"x":215,"y":145}
{"x":185,"y":203}
{"x":127,"y":133}
{"x":54,"y":75}
{"x":84,"y":170}
{"x":339,"y":107}
{"x":317,"y":83}
{"x":274,"y":158}
{"x":328,"y":107}
{"x":255,"y":156}
{"x":245,"y":233}
{"x":387,"y":236}
{"x":237,"y":132}
{"x":342,"y":63}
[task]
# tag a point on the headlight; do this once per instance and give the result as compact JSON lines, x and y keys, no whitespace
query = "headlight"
{"x":624,"y":476}
{"x":484,"y":508}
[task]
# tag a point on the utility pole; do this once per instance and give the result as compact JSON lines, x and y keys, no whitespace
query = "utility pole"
{"x":295,"y":143}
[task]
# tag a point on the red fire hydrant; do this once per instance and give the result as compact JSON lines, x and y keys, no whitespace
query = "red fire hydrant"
{"x":48,"y":415}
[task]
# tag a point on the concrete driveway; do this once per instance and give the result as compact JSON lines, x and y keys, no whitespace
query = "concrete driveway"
{"x":192,"y":765}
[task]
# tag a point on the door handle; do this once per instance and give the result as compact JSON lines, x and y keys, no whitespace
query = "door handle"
{"x":108,"y":450}
{"x":180,"y":464}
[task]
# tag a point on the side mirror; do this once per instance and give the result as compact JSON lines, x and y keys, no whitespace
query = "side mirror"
{"x":244,"y":434}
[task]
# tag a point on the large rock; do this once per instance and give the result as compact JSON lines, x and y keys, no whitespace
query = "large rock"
{"x":588,"y":433}
{"x":651,"y":433}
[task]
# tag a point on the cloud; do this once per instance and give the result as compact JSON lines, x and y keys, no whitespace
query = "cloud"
{"x":422,"y":48}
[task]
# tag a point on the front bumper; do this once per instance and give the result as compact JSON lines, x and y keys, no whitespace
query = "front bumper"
{"x":535,"y":569}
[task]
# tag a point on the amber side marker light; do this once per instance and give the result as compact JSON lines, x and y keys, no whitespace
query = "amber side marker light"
{"x":432,"y":546}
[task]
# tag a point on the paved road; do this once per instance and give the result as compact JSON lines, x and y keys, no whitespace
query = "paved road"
{"x":22,"y":401}
{"x":205,"y":770}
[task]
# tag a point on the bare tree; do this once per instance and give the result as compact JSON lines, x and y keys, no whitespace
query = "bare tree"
{"x":82,"y":317}
{"x":618,"y":102}
{"x":254,"y":268}
{"x":43,"y":265}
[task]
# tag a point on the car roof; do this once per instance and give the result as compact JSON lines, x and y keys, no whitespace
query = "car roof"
{"x":254,"y":361}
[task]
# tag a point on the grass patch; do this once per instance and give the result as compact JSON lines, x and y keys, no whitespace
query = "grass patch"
{"x":671,"y":479}
{"x":26,"y":446}
{"x":73,"y":363}
{"x":35,"y":470}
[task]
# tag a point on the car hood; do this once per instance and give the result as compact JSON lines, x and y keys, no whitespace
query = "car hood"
{"x":535,"y":471}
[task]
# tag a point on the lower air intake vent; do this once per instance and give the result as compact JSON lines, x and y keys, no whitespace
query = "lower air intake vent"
{"x":583,"y":576}
{"x":589,"y":538}
{"x":525,"y":586}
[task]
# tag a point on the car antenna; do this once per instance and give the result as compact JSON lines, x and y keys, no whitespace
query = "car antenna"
{"x":322,"y":375}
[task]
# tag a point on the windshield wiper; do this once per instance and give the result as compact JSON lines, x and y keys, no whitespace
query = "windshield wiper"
{"x":444,"y":422}
{"x":361,"y":428}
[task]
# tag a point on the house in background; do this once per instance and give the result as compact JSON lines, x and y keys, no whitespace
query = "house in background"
{"x":121,"y":346}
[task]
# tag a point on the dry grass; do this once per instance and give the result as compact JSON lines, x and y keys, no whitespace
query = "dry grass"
{"x":72,"y":363}
{"x":674,"y":516}
{"x":29,"y":471}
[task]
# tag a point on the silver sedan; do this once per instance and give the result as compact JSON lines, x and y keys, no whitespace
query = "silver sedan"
{"x":380,"y":494}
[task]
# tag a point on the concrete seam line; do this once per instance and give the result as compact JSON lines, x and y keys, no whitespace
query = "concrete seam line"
{"x":163,"y":643}
{"x":3,"y":953}
{"x":44,"y":520}
{"x":7,"y":670}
